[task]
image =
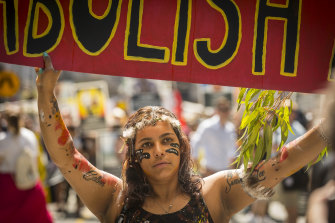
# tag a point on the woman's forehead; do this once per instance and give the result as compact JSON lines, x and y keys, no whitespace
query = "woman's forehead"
{"x":161,"y":127}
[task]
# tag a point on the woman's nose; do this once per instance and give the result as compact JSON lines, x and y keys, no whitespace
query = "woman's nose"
{"x":159,"y":151}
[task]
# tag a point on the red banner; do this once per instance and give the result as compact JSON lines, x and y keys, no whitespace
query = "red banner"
{"x":268,"y":44}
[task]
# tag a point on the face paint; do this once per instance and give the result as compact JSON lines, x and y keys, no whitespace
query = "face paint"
{"x":284,"y":154}
{"x":141,"y":155}
{"x":172,"y":150}
{"x":175,"y":145}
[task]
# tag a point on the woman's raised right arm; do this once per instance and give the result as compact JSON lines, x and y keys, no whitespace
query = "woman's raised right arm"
{"x":97,"y":189}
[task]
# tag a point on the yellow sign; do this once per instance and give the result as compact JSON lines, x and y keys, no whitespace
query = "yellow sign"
{"x":9,"y":84}
{"x":91,"y":103}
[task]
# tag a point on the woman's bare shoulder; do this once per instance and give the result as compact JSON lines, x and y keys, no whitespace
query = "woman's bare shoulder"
{"x":214,"y":191}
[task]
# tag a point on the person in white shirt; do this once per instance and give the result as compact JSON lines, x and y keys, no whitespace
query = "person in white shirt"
{"x":20,"y":201}
{"x":216,"y":136}
{"x":11,"y":144}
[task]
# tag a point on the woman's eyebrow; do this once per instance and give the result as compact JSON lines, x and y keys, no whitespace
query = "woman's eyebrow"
{"x":165,"y":134}
{"x":145,"y":139}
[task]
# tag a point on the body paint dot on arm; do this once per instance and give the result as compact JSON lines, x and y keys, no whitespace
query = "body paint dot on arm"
{"x":284,"y":154}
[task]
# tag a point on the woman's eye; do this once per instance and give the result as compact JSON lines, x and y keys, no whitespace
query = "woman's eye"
{"x":146,"y":145}
{"x":167,"y":140}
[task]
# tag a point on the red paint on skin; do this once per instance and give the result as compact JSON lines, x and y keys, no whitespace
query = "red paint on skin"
{"x":284,"y":154}
{"x":80,"y":163}
{"x":64,"y":137}
{"x":65,"y":133}
{"x":108,"y":179}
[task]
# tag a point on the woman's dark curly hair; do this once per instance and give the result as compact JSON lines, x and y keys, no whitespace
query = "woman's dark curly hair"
{"x":135,"y":185}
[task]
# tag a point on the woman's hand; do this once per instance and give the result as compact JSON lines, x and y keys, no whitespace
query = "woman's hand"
{"x":47,"y":77}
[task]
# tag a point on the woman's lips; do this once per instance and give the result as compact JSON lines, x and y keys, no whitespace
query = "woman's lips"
{"x":161,"y":164}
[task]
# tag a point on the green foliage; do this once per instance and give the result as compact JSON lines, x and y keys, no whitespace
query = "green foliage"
{"x":264,"y":113}
{"x":320,"y":156}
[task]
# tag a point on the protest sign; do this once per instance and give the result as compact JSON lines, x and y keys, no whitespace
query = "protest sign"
{"x":268,"y":44}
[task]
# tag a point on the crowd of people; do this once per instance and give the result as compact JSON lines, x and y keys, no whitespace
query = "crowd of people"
{"x":156,"y":180}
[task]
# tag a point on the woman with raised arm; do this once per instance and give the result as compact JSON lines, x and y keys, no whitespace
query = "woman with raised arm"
{"x":157,"y":183}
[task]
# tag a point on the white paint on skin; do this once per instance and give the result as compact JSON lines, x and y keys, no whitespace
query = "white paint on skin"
{"x":42,"y":117}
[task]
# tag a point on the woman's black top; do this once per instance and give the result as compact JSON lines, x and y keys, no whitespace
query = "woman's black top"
{"x":194,"y":211}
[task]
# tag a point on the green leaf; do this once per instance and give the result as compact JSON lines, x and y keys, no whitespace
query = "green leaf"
{"x":268,"y":140}
{"x":255,"y":133}
{"x":286,"y":112}
{"x":240,"y":97}
{"x":266,"y":100}
{"x":248,"y":106}
{"x":258,"y":152}
{"x":245,"y":163}
{"x":290,"y":128}
{"x":251,"y":94}
{"x":244,"y":122}
{"x":252,"y":116}
{"x":263,"y":94}
{"x":284,"y":134}
{"x":321,"y":155}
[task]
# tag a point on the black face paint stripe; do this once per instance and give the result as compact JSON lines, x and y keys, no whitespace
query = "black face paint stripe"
{"x":146,"y":156}
{"x":175,"y":145}
{"x":141,"y":155}
{"x":172,"y":150}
